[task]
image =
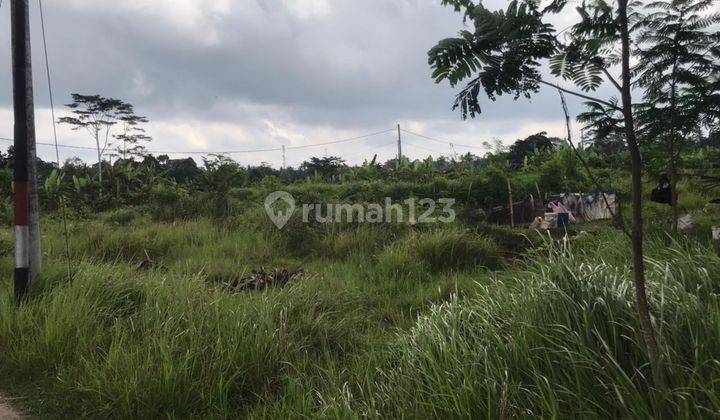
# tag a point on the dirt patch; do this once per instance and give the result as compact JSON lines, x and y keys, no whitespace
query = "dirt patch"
{"x":7,"y":412}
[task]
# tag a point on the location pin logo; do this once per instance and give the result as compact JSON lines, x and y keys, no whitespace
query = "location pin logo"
{"x":280,"y":206}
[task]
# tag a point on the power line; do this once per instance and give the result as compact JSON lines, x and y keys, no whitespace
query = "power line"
{"x":341,"y":141}
{"x":280,"y":149}
{"x":364,"y":152}
{"x":425,"y":148}
{"x":49,"y":83}
{"x":229,"y":152}
{"x":63,"y":212}
{"x":446,"y":142}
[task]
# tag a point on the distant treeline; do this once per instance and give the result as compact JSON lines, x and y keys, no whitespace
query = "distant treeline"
{"x":183,"y":188}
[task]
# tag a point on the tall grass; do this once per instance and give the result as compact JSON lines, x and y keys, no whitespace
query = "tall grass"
{"x":123,"y":347}
{"x":403,"y":322}
{"x":562,"y":340}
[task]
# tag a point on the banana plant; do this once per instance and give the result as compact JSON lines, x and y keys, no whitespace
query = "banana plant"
{"x":53,"y":188}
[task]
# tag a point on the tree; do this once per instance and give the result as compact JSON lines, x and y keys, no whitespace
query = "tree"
{"x":7,"y":161}
{"x":326,"y":167}
{"x":676,"y":60}
{"x":220,"y":175}
{"x":132,"y":134}
{"x":530,"y":145}
{"x":183,"y":171}
{"x":503,"y":56}
{"x":603,"y":128}
{"x":97,"y":115}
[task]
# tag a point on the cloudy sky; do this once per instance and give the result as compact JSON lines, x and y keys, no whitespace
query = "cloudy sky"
{"x":246,"y":74}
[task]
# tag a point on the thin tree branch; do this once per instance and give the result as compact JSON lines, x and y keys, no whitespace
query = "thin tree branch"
{"x":612,"y":79}
{"x":580,"y":95}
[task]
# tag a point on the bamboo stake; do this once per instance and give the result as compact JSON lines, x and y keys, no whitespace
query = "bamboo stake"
{"x":510,"y":202}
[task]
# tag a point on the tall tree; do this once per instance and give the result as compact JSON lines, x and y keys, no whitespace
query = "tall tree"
{"x":503,"y":55}
{"x":97,"y":115}
{"x":522,"y":149}
{"x":132,"y":134}
{"x":677,"y":58}
{"x":603,"y":128}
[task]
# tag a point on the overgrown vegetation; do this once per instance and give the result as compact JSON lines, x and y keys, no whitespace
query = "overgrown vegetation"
{"x":412,"y":321}
{"x":175,"y":296}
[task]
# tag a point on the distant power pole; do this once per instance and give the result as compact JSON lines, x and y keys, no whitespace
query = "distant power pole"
{"x":28,"y":257}
{"x":454,"y":152}
{"x":283,"y":157}
{"x":399,"y":145}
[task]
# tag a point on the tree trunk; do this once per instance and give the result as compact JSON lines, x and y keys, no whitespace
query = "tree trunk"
{"x":672,"y":164}
{"x":99,"y":156}
{"x":641,"y":301}
{"x":672,"y":176}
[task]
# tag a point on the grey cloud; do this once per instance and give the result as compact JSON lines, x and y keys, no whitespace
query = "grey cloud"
{"x":360,"y":67}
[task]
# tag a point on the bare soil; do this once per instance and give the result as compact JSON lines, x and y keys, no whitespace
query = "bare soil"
{"x":6,"y":412}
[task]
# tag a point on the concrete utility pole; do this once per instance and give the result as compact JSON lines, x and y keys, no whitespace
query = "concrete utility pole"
{"x":283,"y":157}
{"x":399,"y":145}
{"x":28,"y":257}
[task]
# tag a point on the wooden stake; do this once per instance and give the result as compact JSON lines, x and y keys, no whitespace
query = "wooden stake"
{"x":510,"y":202}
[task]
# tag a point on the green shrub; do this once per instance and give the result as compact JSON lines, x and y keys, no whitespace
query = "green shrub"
{"x":6,"y":243}
{"x":120,"y":217}
{"x":358,"y":240}
{"x":418,"y":254}
{"x":689,"y":199}
{"x":6,"y":212}
{"x":454,"y":249}
{"x":6,"y":179}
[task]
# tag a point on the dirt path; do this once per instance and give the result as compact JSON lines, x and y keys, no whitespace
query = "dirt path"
{"x":7,"y":413}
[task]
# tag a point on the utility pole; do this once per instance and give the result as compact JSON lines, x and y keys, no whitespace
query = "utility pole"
{"x":27,"y":221}
{"x":283,"y":157}
{"x":399,"y":145}
{"x":454,"y":152}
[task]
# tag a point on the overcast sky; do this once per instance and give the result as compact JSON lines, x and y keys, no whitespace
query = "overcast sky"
{"x":246,"y":74}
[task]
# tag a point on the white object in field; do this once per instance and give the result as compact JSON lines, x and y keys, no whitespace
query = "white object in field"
{"x":716,"y":233}
{"x":589,"y":207}
{"x":598,"y":208}
{"x":539,"y":223}
{"x":560,"y":208}
{"x":686,"y":222}
{"x":536,"y":223}
{"x":551,"y":219}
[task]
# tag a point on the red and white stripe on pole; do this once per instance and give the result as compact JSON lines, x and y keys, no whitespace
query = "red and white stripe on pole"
{"x":22,"y":239}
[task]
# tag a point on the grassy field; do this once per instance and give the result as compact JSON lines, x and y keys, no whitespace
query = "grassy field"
{"x":387,"y":321}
